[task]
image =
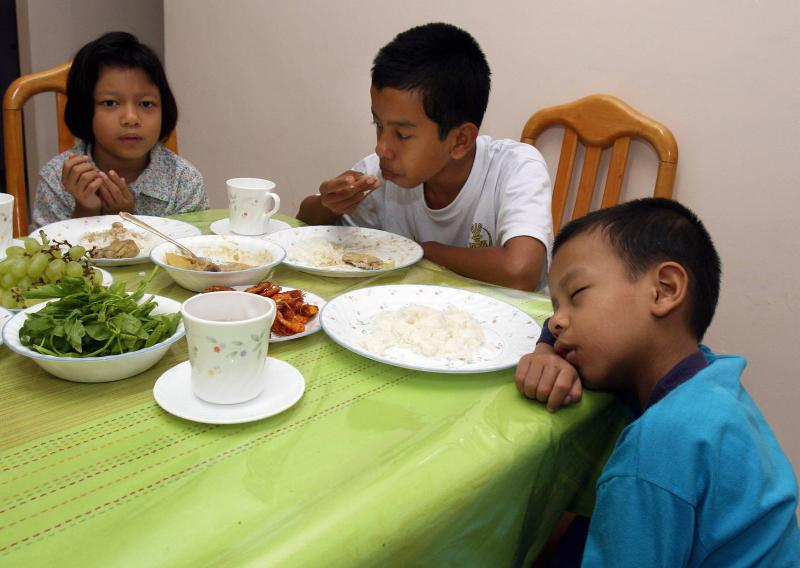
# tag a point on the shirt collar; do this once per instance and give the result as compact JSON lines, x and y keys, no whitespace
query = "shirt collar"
{"x":676,"y":376}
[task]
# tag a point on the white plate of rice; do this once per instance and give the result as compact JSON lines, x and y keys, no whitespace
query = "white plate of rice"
{"x":430,"y":328}
{"x":319,"y":250}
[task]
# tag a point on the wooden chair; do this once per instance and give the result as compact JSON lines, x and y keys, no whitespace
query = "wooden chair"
{"x":601,"y":122}
{"x":17,"y":94}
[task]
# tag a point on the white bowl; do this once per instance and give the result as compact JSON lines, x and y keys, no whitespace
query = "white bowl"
{"x":230,"y":248}
{"x":95,"y":369}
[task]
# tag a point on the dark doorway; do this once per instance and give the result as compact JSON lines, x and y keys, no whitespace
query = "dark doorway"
{"x":9,"y":63}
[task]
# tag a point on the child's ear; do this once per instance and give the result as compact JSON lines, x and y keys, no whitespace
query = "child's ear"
{"x":463,"y":137}
{"x":671,"y":288}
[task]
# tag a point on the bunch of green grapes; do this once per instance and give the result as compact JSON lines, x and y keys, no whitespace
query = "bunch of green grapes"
{"x":38,"y":263}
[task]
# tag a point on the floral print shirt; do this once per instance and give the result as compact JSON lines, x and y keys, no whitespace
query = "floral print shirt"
{"x":168,"y":185}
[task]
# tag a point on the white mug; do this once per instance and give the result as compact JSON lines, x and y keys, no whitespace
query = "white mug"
{"x":228,"y":336}
{"x":251,"y":204}
{"x":6,"y":220}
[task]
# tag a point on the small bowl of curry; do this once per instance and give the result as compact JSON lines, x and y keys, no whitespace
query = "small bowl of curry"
{"x":235,"y":260}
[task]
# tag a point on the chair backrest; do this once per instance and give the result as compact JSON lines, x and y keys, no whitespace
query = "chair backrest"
{"x":17,"y":94}
{"x":601,"y":122}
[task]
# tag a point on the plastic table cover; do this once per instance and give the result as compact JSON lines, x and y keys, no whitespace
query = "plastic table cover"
{"x":375,"y":466}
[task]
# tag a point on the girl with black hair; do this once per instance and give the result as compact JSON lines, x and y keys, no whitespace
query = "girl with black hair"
{"x":120,"y":107}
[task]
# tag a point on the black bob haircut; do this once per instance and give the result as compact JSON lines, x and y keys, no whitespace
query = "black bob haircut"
{"x":445,"y":65}
{"x":645,"y":232}
{"x":114,"y":49}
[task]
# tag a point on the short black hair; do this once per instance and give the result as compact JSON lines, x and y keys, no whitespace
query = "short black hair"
{"x":113,"y":49}
{"x":647,"y":231}
{"x":446,"y":65}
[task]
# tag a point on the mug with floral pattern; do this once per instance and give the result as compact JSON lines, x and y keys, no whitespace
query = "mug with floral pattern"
{"x":228,"y":337}
{"x":251,"y":204}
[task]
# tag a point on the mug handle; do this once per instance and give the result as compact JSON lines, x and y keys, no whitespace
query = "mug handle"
{"x":271,"y":212}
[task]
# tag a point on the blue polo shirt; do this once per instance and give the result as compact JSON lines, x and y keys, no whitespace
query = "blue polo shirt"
{"x":697,"y":480}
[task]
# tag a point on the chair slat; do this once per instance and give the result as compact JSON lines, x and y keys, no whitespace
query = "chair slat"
{"x":15,"y":177}
{"x":591,"y":163}
{"x":616,"y":172}
{"x":566,"y":162}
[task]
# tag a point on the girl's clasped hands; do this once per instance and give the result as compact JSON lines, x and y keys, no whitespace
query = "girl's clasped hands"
{"x":95,"y":192}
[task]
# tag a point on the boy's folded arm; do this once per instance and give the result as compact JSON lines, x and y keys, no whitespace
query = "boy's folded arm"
{"x":517,"y":264}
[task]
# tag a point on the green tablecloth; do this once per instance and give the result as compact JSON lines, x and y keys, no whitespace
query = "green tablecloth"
{"x":375,"y":466}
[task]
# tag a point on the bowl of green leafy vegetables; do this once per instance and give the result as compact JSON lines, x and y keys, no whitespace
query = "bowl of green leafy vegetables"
{"x":94,"y":334}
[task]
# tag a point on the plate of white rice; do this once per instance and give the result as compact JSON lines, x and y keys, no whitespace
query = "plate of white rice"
{"x":430,"y":328}
{"x":319,"y":250}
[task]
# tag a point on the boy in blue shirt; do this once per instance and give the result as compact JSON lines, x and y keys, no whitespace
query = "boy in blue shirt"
{"x":478,"y":206}
{"x":698,"y":479}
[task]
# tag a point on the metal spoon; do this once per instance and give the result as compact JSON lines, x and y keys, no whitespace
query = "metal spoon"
{"x":206,"y":264}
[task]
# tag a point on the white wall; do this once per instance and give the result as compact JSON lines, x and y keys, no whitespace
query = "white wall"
{"x":280,"y":90}
{"x":50,"y":33}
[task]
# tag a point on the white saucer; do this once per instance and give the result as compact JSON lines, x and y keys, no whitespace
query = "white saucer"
{"x":173,"y":393}
{"x":223,"y":227}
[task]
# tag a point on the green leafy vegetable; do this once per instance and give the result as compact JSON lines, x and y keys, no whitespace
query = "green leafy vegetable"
{"x":94,"y":321}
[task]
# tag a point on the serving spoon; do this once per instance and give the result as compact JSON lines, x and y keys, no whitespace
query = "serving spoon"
{"x":205,"y":264}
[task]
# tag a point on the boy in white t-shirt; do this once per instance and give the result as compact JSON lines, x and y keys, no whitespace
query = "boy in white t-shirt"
{"x":478,"y":206}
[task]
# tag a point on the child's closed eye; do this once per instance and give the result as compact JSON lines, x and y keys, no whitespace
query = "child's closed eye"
{"x":576,"y":292}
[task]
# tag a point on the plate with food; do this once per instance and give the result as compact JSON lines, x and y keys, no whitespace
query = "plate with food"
{"x":430,"y":328}
{"x":298,"y":310}
{"x":224,"y":260}
{"x":114,"y":242}
{"x":30,"y":264}
{"x":346,"y":252}
{"x":110,"y":335}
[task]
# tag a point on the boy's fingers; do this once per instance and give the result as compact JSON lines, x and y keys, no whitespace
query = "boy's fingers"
{"x":546,"y":382}
{"x":566,"y":391}
{"x":521,"y":372}
{"x":337,"y":185}
{"x":576,"y":392}
{"x":559,"y":392}
{"x":530,"y":385}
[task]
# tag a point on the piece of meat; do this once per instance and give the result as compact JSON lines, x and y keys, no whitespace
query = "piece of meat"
{"x":363,"y":260}
{"x":125,"y":248}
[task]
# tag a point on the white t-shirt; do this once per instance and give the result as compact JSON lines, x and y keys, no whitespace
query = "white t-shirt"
{"x":507,"y":195}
